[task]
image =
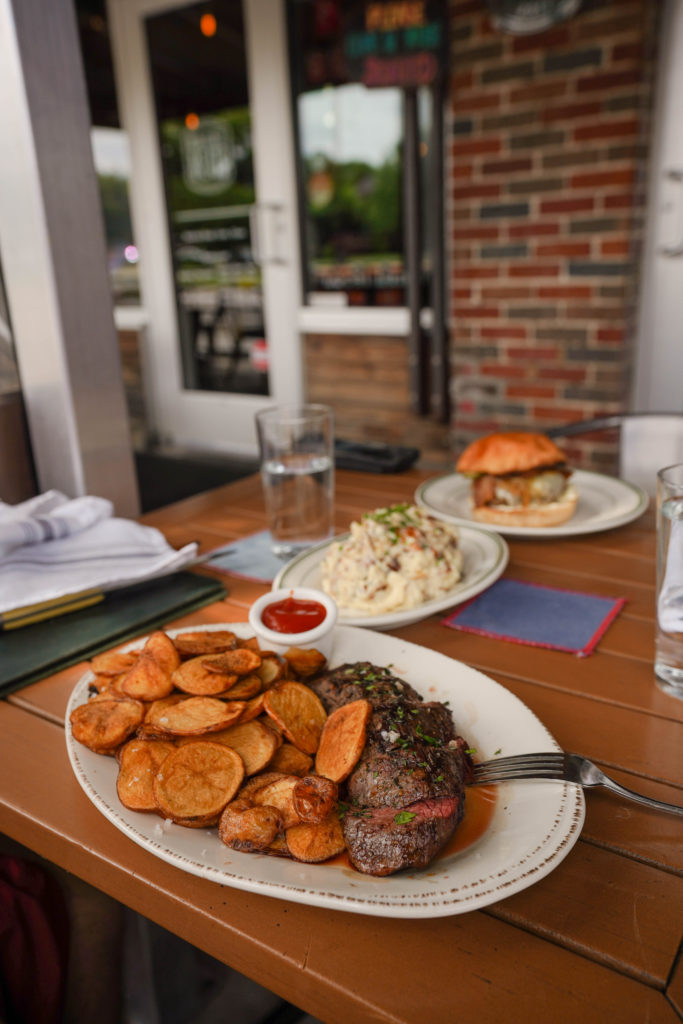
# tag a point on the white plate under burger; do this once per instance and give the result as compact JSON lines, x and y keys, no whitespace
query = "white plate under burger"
{"x":485,"y":556}
{"x":605,"y":502}
{"x":533,"y":827}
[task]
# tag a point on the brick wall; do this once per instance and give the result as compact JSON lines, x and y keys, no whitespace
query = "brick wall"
{"x":547,"y":158}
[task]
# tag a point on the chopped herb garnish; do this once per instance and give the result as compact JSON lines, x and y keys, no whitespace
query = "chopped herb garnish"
{"x":403,"y":817}
{"x":471,"y":750}
{"x":497,"y":752}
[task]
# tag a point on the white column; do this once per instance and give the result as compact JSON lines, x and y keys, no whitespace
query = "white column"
{"x":54,"y":258}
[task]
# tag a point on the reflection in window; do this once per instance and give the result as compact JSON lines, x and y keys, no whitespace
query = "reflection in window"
{"x":350,"y":145}
{"x":112,"y":164}
{"x":204,"y":123}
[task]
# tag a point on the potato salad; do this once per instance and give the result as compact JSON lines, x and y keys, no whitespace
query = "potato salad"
{"x":394,"y":558}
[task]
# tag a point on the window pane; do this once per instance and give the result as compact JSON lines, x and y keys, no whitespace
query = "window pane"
{"x":9,"y":375}
{"x":350,"y":141}
{"x":112,"y":164}
{"x":198,"y":64}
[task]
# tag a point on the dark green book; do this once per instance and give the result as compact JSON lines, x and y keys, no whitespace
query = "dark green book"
{"x":33,"y":652}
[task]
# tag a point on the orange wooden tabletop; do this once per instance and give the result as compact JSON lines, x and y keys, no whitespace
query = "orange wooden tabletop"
{"x":598,"y":938}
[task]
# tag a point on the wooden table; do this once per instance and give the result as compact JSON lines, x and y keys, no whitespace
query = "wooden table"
{"x":598,"y":939}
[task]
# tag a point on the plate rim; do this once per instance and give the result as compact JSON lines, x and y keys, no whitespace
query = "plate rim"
{"x":641,"y":503}
{"x":549,"y":851}
{"x":394,"y":620}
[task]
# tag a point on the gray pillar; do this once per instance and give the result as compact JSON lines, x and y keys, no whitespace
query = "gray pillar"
{"x":54,"y":257}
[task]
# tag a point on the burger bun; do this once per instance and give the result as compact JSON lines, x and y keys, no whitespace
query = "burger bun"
{"x":552,"y":514}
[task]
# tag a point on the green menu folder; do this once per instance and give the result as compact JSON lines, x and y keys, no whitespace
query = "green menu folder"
{"x":39,"y":650}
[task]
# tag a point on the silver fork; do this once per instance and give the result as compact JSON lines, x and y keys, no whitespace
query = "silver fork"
{"x":560,"y":766}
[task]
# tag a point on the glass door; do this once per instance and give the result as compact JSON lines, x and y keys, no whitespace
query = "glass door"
{"x":204,"y":95}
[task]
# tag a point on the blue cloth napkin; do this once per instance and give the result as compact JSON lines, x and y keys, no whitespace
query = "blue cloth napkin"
{"x":250,"y":558}
{"x":527,"y":613}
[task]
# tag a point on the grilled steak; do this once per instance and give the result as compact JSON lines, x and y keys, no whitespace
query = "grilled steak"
{"x":405,"y":797}
{"x":362,"y":679}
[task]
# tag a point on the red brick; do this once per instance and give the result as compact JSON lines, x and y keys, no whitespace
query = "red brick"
{"x":462,"y":294}
{"x":607,"y":130}
{"x":502,"y":370}
{"x":477,"y":232}
{"x":610,"y":334}
{"x":516,"y":333}
{"x":618,"y":247}
{"x":474,"y":272}
{"x":565,"y":291}
{"x":475,"y":147}
{"x":461,"y":170}
{"x":598,"y":179}
{"x":507,"y":166}
{"x":533,"y":270}
{"x":607,"y":81}
{"x":569,"y":111}
{"x":628,"y":51}
{"x":545,"y":91}
{"x":530,"y":229}
{"x":581,"y":205}
{"x":463,"y":81}
{"x":476,"y":191}
{"x":541,"y":41}
{"x":506,"y":293}
{"x":564,"y":249}
{"x":478,"y":312}
{"x":530,"y":391}
{"x":618,"y":202}
{"x":558,"y":414}
{"x":481,"y":101}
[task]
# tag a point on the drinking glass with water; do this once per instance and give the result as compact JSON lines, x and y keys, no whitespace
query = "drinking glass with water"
{"x":296,"y":445}
{"x":669,"y":637}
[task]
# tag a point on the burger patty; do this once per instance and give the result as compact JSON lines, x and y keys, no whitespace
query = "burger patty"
{"x":536,"y":486}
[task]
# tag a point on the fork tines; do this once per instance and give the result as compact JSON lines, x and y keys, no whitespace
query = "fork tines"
{"x":547,"y":764}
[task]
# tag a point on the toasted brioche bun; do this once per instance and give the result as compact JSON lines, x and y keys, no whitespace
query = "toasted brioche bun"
{"x":509,"y":453}
{"x":552,"y":514}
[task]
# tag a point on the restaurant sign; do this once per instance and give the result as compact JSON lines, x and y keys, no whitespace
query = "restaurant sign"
{"x":402,"y":43}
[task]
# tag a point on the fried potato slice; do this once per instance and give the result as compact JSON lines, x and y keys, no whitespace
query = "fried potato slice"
{"x":314,"y":798}
{"x":256,"y":782}
{"x":279,"y":794}
{"x":194,"y":716}
{"x":146,"y":680}
{"x":253,"y":742}
{"x":342,"y":740}
{"x":196,"y":782}
{"x":250,"y":643}
{"x":253,"y":709}
{"x":247,"y":828}
{"x":113,"y":663}
{"x":193,"y":677}
{"x":271,"y":669}
{"x":244,"y":689}
{"x":290,"y":760}
{"x":298,"y":711}
{"x":162,"y":649}
{"x":313,"y":843}
{"x":139,"y":761}
{"x":278,"y":847}
{"x":304,"y":661}
{"x":195,"y":642}
{"x":102,"y":725}
{"x":241,"y":661}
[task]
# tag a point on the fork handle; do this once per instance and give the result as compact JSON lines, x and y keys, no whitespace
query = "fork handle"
{"x":647,"y":801}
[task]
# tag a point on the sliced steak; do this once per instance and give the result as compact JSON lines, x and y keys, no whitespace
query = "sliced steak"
{"x":360,"y":679}
{"x":406,"y":795}
{"x":384,"y":840}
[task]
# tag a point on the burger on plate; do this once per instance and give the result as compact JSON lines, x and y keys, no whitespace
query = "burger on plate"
{"x":518,"y":479}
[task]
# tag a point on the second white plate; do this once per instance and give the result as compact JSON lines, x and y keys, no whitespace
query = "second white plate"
{"x":604,"y":503}
{"x":485,"y":556}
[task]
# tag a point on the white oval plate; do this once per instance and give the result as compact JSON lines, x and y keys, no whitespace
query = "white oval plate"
{"x":604,"y":503}
{"x":534,"y":824}
{"x":485,"y":556}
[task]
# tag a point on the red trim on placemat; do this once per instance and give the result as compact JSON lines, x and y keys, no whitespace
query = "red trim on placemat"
{"x":602,"y":629}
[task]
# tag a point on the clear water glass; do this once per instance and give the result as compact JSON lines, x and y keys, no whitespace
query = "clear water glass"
{"x":669,"y":592}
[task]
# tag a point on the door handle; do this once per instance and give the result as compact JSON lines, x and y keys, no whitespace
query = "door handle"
{"x":676,"y":249}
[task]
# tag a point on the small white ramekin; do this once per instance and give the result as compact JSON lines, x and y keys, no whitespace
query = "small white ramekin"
{"x":319,"y":638}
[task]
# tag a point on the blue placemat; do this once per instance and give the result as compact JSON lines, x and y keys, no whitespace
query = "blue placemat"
{"x":250,"y":558}
{"x":526,"y":613}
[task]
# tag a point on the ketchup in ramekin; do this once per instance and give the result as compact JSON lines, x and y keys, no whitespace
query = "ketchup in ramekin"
{"x":295,"y":617}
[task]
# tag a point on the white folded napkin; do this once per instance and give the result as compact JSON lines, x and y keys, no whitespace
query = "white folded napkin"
{"x":52,"y":547}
